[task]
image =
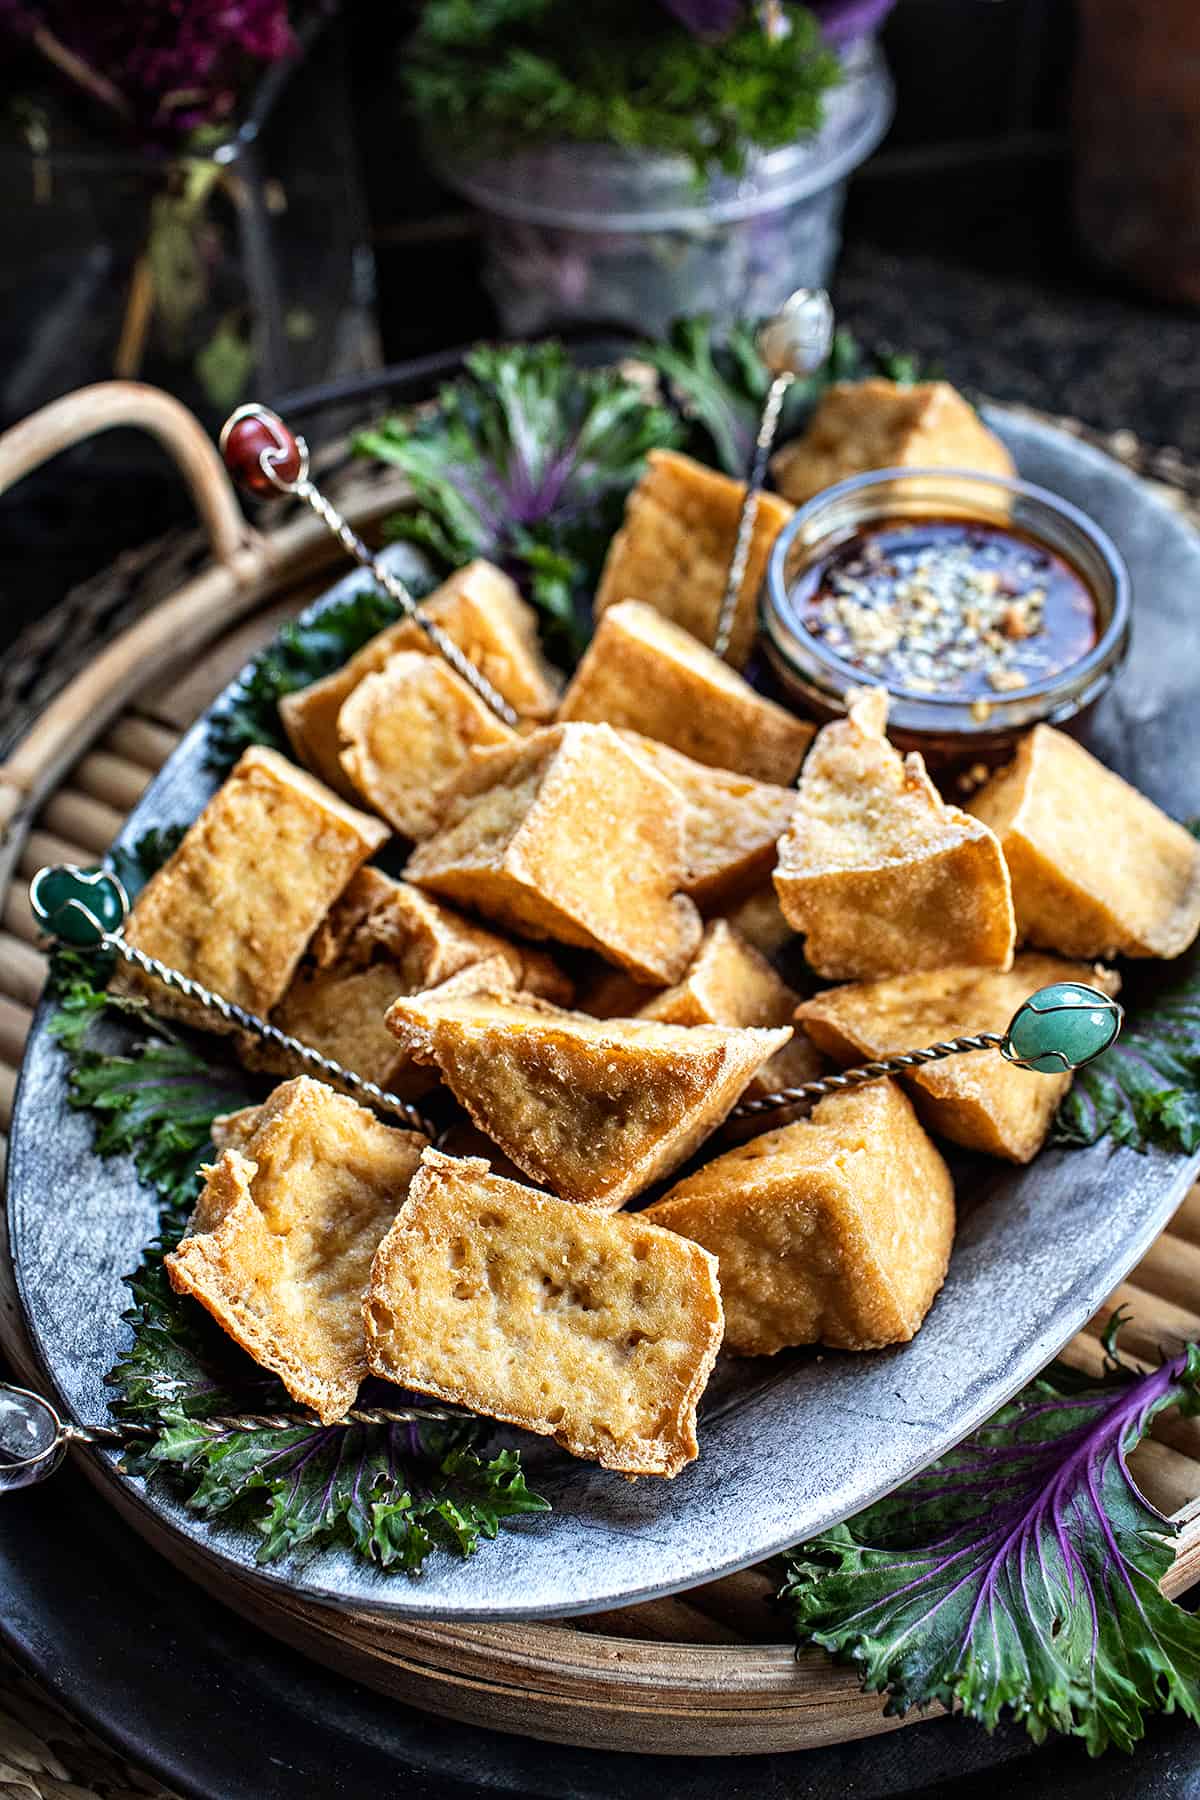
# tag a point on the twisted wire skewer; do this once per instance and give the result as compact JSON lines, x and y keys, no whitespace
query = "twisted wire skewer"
{"x":275,"y":1421}
{"x":867,"y":1072}
{"x":248,"y":1021}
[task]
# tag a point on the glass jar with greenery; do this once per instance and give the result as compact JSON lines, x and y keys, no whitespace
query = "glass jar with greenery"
{"x":635,"y":161}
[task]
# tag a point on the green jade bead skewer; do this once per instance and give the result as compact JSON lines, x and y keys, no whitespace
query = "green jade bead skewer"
{"x":1056,"y":1030}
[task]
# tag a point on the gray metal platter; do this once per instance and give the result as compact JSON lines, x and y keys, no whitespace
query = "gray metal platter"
{"x":791,"y":1444}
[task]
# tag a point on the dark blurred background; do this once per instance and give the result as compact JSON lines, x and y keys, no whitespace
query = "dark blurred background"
{"x":959,"y":244}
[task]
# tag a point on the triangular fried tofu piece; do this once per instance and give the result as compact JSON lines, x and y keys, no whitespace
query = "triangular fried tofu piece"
{"x":571,"y":835}
{"x":731,"y":827}
{"x":835,"y":1230}
{"x":877,"y":871}
{"x":598,"y":1332}
{"x":674,"y":547}
{"x":730,"y":983}
{"x":644,"y":673}
{"x":279,"y":1247}
{"x":481,"y":609}
{"x":1097,"y":869}
{"x":595,"y":1109}
{"x":980,"y":1100}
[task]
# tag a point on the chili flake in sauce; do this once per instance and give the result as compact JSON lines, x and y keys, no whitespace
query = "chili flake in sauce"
{"x":945,"y":606}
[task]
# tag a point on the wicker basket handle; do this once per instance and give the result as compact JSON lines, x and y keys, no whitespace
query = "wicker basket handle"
{"x":67,"y":422}
{"x":166,"y":636}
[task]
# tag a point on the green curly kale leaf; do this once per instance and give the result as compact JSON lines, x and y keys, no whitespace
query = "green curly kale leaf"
{"x":526,"y":459}
{"x":719,"y":383}
{"x":1020,"y":1573}
{"x":1146,"y":1089}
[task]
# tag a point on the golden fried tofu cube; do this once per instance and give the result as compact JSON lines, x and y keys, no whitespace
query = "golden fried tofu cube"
{"x":480,"y":608}
{"x":570,"y":836}
{"x":674,"y":549}
{"x":646,"y":674}
{"x":237,"y":903}
{"x":834,"y":1230}
{"x":733,"y":823}
{"x":877,"y":424}
{"x":406,"y":734}
{"x":759,"y":919}
{"x":384,"y":938}
{"x":594,"y":1331}
{"x":877,"y":871}
{"x":729,"y":983}
{"x":279,"y":1247}
{"x":979,"y":1100}
{"x":595,"y":1109}
{"x":1097,"y":869}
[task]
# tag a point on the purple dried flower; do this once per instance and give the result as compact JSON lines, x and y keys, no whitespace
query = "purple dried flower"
{"x":168,"y":66}
{"x":845,"y":20}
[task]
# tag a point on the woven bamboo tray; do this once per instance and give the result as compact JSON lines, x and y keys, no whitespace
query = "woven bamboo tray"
{"x":706,"y":1673}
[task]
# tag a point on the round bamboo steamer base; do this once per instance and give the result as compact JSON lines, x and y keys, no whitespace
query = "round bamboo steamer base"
{"x":710,"y":1672}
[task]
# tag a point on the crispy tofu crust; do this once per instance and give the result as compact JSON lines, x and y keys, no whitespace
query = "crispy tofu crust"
{"x":571,"y":836}
{"x":675,"y":545}
{"x":877,"y":871}
{"x":280,"y":1245}
{"x":834,"y":1230}
{"x":877,"y":424}
{"x":1097,"y":869}
{"x":732,"y":824}
{"x":759,"y":919}
{"x":478,"y":606}
{"x":237,"y":903}
{"x":730,"y":983}
{"x":406,"y":733}
{"x":594,"y":1331}
{"x":595,"y":1109}
{"x":644,"y":673}
{"x":978,"y":1100}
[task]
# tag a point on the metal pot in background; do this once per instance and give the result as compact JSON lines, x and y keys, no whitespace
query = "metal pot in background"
{"x":586,"y":233}
{"x":1137,"y":142}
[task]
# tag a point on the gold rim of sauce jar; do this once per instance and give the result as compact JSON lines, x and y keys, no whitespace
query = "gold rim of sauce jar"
{"x":945,"y":726}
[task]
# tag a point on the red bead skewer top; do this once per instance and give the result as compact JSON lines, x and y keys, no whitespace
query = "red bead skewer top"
{"x":261,"y":454}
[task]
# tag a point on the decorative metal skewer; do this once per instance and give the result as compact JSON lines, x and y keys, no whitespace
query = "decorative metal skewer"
{"x":34,"y":1436}
{"x":796,"y":341}
{"x":86,"y":909}
{"x":1055,"y":1031}
{"x":265,"y":458}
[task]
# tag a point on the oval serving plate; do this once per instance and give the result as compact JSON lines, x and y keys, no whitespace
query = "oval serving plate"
{"x":788,"y":1445}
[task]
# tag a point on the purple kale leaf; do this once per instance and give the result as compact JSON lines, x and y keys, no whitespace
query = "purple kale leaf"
{"x":845,"y":20}
{"x":1020,"y":1572}
{"x":707,"y":18}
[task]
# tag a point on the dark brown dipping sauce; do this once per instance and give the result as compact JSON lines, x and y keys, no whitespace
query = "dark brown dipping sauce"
{"x":948,"y":606}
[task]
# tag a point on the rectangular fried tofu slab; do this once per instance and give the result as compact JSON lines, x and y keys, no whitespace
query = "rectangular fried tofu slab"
{"x":570,"y":835}
{"x":834,"y":1230}
{"x":675,"y":545}
{"x":480,"y":608}
{"x":598,"y":1332}
{"x":1097,"y":869}
{"x":645,"y":673}
{"x":731,"y":827}
{"x":979,"y":1100}
{"x":594,"y":1109}
{"x":877,"y":871}
{"x":877,"y":424}
{"x":279,"y":1247}
{"x":237,"y":903}
{"x":406,"y":734}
